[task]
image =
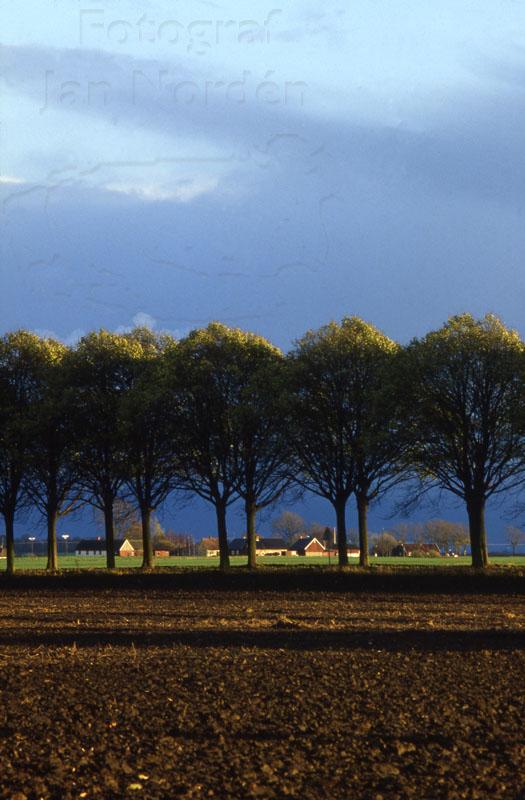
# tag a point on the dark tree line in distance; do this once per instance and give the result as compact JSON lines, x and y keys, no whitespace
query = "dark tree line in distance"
{"x":225,"y":415}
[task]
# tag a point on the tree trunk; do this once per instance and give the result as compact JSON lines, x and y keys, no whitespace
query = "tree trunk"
{"x":109,"y":525}
{"x":251,"y":511}
{"x":342,"y":545}
{"x":52,"y":547}
{"x":148,"y":560}
{"x":222,"y":533}
{"x":9,"y":519}
{"x":484,"y":544}
{"x":362,"y":515}
{"x":478,"y":533}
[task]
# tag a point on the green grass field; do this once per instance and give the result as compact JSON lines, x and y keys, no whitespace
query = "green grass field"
{"x":97,"y":562}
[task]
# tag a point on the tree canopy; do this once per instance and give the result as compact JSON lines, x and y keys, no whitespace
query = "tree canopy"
{"x":465,"y":412}
{"x":342,"y":410}
{"x":223,"y":414}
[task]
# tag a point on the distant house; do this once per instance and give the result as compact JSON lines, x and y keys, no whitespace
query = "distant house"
{"x":263,"y":547}
{"x":311,"y":546}
{"x":128,"y":548}
{"x":97,"y":547}
{"x":307,"y":546}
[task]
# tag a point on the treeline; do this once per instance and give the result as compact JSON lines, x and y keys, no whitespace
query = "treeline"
{"x":447,"y":536}
{"x":422,"y":538}
{"x":225,"y":415}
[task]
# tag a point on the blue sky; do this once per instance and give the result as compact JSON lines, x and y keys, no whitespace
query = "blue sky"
{"x":271,"y":166}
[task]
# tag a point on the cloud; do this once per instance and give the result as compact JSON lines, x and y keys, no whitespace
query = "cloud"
{"x":70,"y":339}
{"x":185,"y":128}
{"x":10,"y":180}
{"x":462,"y":142}
{"x":181,"y":97}
{"x":302,"y":217}
{"x":140,"y":320}
{"x":183,"y":191}
{"x":143,"y":320}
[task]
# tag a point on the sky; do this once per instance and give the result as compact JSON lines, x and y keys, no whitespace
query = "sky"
{"x":272,"y":166}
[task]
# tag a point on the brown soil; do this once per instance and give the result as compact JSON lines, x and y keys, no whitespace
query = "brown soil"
{"x":168,"y":694}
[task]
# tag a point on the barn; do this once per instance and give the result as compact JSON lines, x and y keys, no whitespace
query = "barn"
{"x":307,"y":546}
{"x":264,"y":547}
{"x":97,"y":547}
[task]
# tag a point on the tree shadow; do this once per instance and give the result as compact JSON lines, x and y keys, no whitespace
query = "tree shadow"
{"x":374,"y":639}
{"x":404,"y":580}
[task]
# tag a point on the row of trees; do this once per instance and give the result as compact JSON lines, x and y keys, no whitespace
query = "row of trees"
{"x":448,"y":536}
{"x":225,"y":415}
{"x":291,"y":526}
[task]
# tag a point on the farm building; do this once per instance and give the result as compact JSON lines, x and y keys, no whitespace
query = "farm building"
{"x":307,"y":546}
{"x":311,"y":546}
{"x":264,"y":547}
{"x":97,"y":547}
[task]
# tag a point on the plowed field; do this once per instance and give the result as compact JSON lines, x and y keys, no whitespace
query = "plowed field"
{"x":142,"y":693}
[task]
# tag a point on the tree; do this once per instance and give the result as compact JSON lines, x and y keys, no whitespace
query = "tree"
{"x":384,"y":544}
{"x":447,"y":535}
{"x":289,"y":526}
{"x":377,"y":442}
{"x":515,"y":537}
{"x":126,"y":519}
{"x":439,"y":532}
{"x":409,"y":532}
{"x":353,"y":537}
{"x":20,"y":353}
{"x":159,"y":539}
{"x":317,"y":529}
{"x":179,"y":544}
{"x":208,"y":543}
{"x":342,"y":419}
{"x":204,"y":390}
{"x":228,"y":387}
{"x":262,"y":473}
{"x":320,"y":426}
{"x":465,"y":415}
{"x":150,"y":435}
{"x":102,"y":371}
{"x":459,"y":538}
{"x":52,"y":478}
